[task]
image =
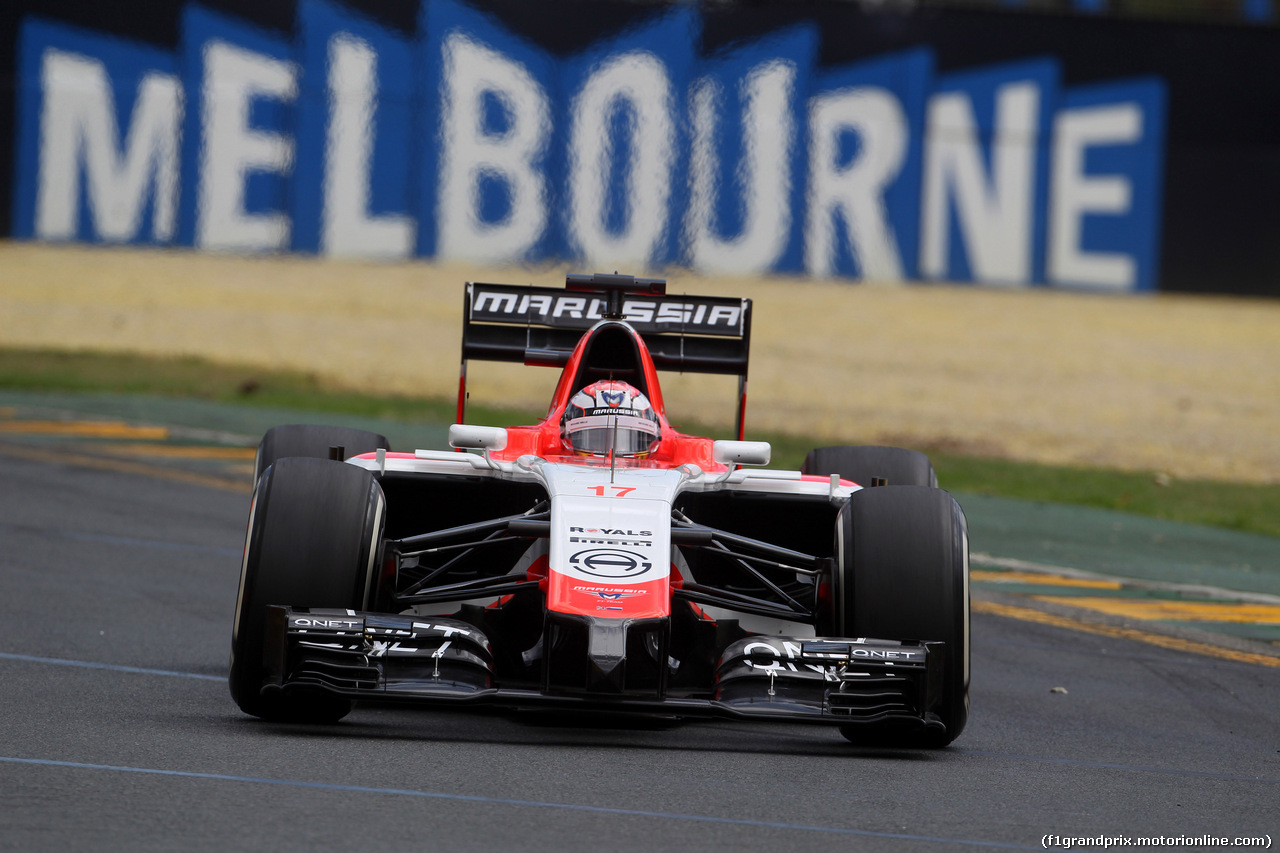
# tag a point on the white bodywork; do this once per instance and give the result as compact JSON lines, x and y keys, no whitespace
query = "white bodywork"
{"x":612,"y":524}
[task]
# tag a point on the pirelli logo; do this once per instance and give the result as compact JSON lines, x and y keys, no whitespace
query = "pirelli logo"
{"x":703,"y":315}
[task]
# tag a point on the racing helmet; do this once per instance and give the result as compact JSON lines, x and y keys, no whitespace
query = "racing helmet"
{"x":610,"y":415}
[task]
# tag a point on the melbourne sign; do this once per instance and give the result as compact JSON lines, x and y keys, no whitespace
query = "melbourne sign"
{"x":466,"y":142}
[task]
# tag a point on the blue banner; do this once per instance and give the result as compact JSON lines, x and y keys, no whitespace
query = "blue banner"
{"x":864,"y":168}
{"x":466,"y":141}
{"x":985,"y":174}
{"x":747,"y":163}
{"x":99,"y":126}
{"x":352,"y":186}
{"x":238,"y":142}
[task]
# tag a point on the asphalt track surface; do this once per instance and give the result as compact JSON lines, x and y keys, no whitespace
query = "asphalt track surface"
{"x":117,"y":731}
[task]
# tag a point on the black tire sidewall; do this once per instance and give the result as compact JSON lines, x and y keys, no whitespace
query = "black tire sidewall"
{"x":315,"y":528}
{"x":903,"y":575}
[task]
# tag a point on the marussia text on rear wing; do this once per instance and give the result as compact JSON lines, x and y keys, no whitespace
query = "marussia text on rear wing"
{"x":542,"y":325}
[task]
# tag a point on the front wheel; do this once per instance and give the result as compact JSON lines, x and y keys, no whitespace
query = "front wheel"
{"x":903,"y":574}
{"x":315,"y":530}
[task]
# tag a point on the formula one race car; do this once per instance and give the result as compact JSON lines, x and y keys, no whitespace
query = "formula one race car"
{"x":600,"y":560}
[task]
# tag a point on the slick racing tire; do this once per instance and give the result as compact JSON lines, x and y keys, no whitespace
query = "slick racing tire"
{"x":315,"y":530}
{"x":903,"y":574}
{"x":314,"y":442}
{"x":862,"y":463}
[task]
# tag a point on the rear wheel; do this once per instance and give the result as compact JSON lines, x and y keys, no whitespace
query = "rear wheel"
{"x":314,"y":442}
{"x":861,"y":464}
{"x":903,"y":574}
{"x":315,"y":529}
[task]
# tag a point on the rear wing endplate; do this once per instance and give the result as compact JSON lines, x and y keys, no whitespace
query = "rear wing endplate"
{"x":542,"y":326}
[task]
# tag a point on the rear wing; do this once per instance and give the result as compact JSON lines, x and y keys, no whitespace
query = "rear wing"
{"x":542,"y":326}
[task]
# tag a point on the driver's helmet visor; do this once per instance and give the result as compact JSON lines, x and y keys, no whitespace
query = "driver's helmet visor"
{"x":625,"y":435}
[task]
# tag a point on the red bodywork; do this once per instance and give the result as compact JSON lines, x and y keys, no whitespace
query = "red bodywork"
{"x":544,"y":439}
{"x":567,"y":594}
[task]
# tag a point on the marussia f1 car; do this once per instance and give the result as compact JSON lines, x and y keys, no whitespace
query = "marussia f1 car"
{"x":600,"y":560}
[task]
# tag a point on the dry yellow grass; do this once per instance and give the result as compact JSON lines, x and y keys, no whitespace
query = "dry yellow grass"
{"x":1189,"y":385}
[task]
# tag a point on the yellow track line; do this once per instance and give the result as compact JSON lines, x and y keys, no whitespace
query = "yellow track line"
{"x":85,"y":429}
{"x":1037,"y":579}
{"x":1181,"y":611}
{"x":61,"y":457}
{"x":1027,"y":614}
{"x":182,"y":451}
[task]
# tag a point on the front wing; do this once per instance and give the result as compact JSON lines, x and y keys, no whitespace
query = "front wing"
{"x":443,"y":661}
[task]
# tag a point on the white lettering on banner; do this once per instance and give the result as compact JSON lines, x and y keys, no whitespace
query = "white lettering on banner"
{"x":348,"y":229}
{"x":636,"y":80}
{"x":857,"y":189}
{"x":1075,"y":194}
{"x":765,"y":173}
{"x":78,"y":129}
{"x":995,"y":215}
{"x":231,"y":150}
{"x":962,"y":173}
{"x":470,"y":72}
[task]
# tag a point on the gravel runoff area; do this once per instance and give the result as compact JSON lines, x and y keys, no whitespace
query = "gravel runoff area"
{"x":1180,"y":384}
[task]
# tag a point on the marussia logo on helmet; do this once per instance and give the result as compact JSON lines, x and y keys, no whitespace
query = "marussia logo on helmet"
{"x":614,"y":399}
{"x":608,"y":532}
{"x":614,"y":410}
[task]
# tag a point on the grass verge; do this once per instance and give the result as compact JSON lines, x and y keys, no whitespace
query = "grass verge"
{"x":1244,"y":507}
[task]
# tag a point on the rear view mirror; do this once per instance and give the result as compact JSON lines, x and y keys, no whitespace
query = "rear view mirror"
{"x":477,"y":437}
{"x":741,"y":452}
